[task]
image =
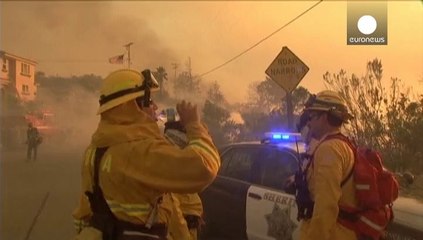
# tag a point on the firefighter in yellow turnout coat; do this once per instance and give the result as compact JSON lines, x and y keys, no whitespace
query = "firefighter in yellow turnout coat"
{"x":187,"y":217}
{"x":331,"y":163}
{"x":192,"y":210}
{"x":187,"y":211}
{"x":139,"y":165}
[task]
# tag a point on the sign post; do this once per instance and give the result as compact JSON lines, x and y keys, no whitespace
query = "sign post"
{"x":287,"y":70}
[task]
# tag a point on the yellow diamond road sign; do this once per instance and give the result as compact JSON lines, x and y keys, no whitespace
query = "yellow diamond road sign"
{"x":287,"y":70}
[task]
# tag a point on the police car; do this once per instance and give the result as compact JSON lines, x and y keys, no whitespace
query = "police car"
{"x":248,"y":198}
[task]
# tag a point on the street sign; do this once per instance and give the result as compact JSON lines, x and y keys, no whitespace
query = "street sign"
{"x":287,"y":70}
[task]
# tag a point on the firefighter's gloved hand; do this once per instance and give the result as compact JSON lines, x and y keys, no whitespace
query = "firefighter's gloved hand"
{"x":188,"y":112}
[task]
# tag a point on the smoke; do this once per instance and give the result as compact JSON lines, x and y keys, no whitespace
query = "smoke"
{"x":74,"y":118}
{"x":86,"y":35}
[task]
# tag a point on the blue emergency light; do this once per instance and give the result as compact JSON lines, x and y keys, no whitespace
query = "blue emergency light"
{"x":282,"y":137}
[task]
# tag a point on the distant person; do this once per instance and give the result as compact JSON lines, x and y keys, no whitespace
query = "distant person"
{"x":33,"y":139}
{"x":129,"y":166}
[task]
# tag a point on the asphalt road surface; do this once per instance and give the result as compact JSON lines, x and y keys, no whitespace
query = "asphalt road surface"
{"x":38,"y":197}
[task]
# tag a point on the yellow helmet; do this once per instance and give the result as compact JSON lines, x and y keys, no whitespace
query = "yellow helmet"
{"x":328,"y":101}
{"x":122,"y":86}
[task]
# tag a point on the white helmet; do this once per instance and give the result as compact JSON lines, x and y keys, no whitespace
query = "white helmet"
{"x":329,"y":101}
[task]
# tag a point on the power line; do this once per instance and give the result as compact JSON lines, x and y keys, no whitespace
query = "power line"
{"x":262,"y":40}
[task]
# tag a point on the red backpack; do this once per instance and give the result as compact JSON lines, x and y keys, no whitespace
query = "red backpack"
{"x":376,"y":188}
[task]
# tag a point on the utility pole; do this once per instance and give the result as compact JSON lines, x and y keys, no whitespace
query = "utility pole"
{"x":128,"y":48}
{"x":289,"y":110}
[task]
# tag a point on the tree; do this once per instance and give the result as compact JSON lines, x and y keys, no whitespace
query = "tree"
{"x":364,"y":97}
{"x":404,"y":120}
{"x":215,"y":116}
{"x":214,"y":93}
{"x":266,"y":109}
{"x":186,"y":86}
{"x":255,"y":122}
{"x":270,"y":96}
{"x":299,"y":97}
{"x":218,"y":119}
{"x":89,"y":82}
{"x":389,"y":121}
{"x":160,"y":74}
{"x":57,"y":86}
{"x":266,"y":94}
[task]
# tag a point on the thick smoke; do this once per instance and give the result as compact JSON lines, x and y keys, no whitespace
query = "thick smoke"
{"x":96,"y":28}
{"x":74,"y":118}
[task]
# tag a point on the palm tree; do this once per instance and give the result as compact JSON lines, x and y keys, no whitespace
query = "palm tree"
{"x":161,"y":75}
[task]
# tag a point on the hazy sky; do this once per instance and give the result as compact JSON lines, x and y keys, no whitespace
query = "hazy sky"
{"x":75,"y":38}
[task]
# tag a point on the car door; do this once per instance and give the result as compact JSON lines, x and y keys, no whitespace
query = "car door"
{"x":224,"y":201}
{"x":408,"y":220}
{"x":270,"y":212}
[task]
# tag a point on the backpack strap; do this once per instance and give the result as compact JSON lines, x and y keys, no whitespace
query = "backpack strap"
{"x":99,"y":153}
{"x":343,"y":138}
{"x":104,"y":219}
{"x":348,"y":176}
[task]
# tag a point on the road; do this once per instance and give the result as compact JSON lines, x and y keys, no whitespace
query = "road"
{"x":37,"y":198}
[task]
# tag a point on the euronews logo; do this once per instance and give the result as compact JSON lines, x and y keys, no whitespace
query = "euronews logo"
{"x":367,"y":23}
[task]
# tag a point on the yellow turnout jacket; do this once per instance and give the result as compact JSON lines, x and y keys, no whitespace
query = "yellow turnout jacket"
{"x":140,"y":165}
{"x":332,"y":162}
{"x":184,"y":204}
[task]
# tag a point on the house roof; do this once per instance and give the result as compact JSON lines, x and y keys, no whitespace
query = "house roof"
{"x":6,"y":54}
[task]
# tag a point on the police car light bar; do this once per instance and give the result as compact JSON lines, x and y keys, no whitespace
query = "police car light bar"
{"x":281,"y":136}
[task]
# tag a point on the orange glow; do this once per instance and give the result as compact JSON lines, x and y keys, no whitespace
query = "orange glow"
{"x":210,"y":33}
